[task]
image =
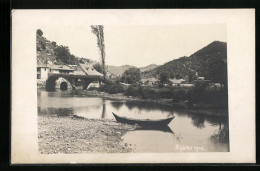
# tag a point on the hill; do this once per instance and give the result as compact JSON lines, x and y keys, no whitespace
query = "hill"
{"x":118,"y":70}
{"x":209,"y":62}
{"x":49,"y":52}
{"x":45,"y":50}
{"x":148,"y":68}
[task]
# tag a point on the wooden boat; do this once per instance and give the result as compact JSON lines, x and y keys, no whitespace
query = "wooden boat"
{"x":143,"y":122}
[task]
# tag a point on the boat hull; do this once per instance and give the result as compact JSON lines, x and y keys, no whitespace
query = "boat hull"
{"x":161,"y":122}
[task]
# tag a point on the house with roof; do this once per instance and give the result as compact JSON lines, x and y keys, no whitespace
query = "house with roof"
{"x":149,"y":81}
{"x":176,"y":81}
{"x":88,"y":69}
{"x":61,"y":69}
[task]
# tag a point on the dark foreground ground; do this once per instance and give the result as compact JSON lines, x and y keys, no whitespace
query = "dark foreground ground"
{"x":79,"y":135}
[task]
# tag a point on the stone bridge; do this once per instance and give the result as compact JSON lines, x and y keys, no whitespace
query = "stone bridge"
{"x":70,"y":82}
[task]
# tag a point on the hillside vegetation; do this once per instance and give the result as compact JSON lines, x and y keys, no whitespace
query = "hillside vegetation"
{"x":148,"y":68}
{"x":50,"y":52}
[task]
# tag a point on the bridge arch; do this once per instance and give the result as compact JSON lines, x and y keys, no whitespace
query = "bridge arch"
{"x":59,"y":81}
{"x":62,"y":84}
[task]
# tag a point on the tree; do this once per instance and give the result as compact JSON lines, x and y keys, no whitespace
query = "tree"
{"x":98,"y":67}
{"x":98,"y":31}
{"x":63,"y":55}
{"x":163,"y":77}
{"x":218,"y":72}
{"x":191,"y":76}
{"x":54,"y":43}
{"x":39,"y":32}
{"x":131,"y":76}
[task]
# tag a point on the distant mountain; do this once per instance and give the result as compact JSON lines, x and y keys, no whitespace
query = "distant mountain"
{"x":208,"y":62}
{"x":148,"y":68}
{"x":118,"y":70}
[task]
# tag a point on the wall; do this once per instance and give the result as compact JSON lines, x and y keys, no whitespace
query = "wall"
{"x":55,"y":71}
{"x":44,"y":74}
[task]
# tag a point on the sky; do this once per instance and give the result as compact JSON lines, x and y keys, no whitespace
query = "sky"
{"x":137,"y":45}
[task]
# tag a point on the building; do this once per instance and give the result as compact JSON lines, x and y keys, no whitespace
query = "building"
{"x":61,"y":69}
{"x":78,"y":72}
{"x":201,"y":78}
{"x":176,"y":81}
{"x":43,"y":71}
{"x":150,"y":81}
{"x":88,"y":70}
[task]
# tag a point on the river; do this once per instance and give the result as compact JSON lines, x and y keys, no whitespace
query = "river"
{"x":188,"y":132}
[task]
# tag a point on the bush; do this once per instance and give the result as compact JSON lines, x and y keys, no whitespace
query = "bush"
{"x":112,"y":88}
{"x":179,"y":95}
{"x":204,"y":98}
{"x":149,"y":93}
{"x":39,"y":32}
{"x":166,"y":92}
{"x":135,"y":91}
{"x":93,"y":88}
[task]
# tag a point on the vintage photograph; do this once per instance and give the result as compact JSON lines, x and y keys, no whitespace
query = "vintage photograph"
{"x":133,"y":86}
{"x":132,"y":89}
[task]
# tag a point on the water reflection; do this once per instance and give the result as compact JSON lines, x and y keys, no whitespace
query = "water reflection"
{"x":198,"y":121}
{"x":156,"y":128}
{"x":103,"y":109}
{"x":221,"y":135}
{"x":117,"y":104}
{"x":188,"y":129}
{"x":148,"y":106}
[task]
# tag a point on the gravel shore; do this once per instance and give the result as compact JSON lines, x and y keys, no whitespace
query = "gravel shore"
{"x":80,"y":135}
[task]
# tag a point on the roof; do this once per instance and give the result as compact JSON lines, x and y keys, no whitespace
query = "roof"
{"x":176,"y":81}
{"x":61,"y":67}
{"x":149,"y":79}
{"x":79,"y":73}
{"x":89,"y":70}
{"x":201,"y":78}
{"x":42,"y":66}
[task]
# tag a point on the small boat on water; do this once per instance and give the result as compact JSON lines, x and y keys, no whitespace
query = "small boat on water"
{"x":143,"y":122}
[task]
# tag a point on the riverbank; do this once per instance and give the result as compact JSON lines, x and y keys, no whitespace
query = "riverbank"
{"x":121,"y":96}
{"x":168,"y":102}
{"x":80,"y":135}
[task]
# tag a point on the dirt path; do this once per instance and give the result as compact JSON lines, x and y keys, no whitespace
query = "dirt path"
{"x":79,"y":135}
